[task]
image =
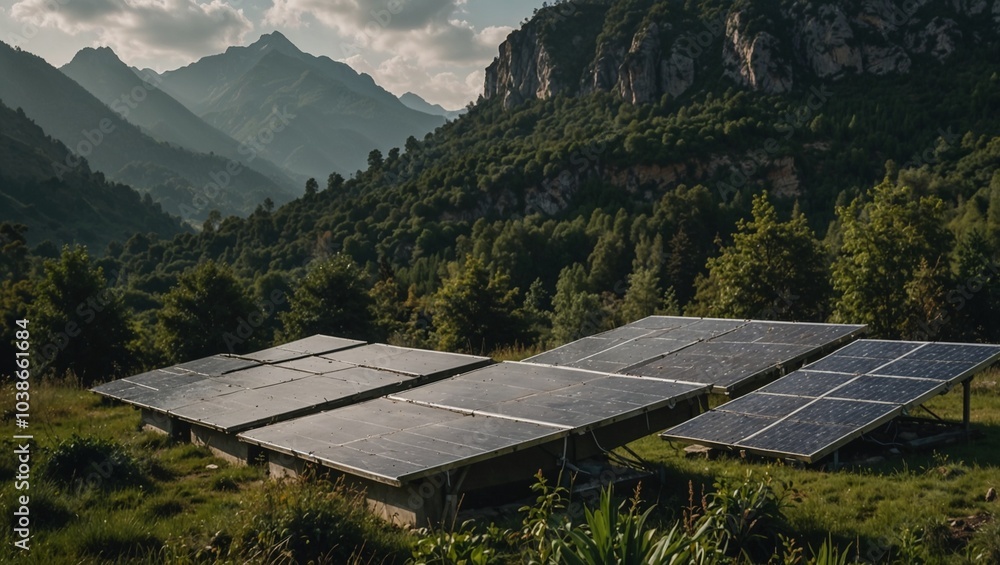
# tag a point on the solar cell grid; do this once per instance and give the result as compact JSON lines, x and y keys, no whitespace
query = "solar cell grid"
{"x":763,"y":404}
{"x":807,"y":383}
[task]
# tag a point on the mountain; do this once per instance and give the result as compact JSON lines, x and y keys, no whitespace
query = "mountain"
{"x":185,"y":183}
{"x":574,"y":190}
{"x":78,"y":207}
{"x":642,"y":50}
{"x":417,"y":103}
{"x":336,"y":116}
{"x":137,"y":98}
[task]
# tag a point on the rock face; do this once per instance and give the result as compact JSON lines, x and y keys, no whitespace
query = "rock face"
{"x":523,"y":71}
{"x":760,"y":46}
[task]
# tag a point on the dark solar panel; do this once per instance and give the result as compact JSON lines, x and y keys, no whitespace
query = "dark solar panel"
{"x":720,"y":427}
{"x":231,"y":394}
{"x":728,"y":354}
{"x":815,"y":412}
{"x":848,"y":365}
{"x":797,"y":438}
{"x":807,"y":383}
{"x":761,"y":404}
{"x":922,"y":369}
{"x":886,"y":389}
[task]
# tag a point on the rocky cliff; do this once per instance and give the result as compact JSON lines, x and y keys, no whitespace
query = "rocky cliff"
{"x":645,"y":50}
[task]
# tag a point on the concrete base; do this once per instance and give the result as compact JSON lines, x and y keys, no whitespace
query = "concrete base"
{"x":164,"y":424}
{"x":224,"y":445}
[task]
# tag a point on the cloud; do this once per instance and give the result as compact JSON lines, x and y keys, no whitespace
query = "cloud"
{"x":401,"y":73}
{"x":424,"y":29}
{"x":143,"y":29}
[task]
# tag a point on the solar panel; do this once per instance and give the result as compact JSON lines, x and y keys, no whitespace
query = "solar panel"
{"x":812,"y":412}
{"x":395,"y":441}
{"x":558,"y":396}
{"x":467,"y":418}
{"x":235,"y":393}
{"x":728,"y":354}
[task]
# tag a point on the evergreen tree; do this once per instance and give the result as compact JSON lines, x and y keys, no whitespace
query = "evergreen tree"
{"x":79,"y":326}
{"x":332,"y":299}
{"x":475,"y":311}
{"x":886,"y":239}
{"x":773,"y":270}
{"x":976,"y":298}
{"x":578,"y":312}
{"x":208,"y":312}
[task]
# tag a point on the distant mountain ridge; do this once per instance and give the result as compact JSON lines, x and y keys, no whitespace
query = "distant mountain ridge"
{"x":79,"y":207}
{"x":185,"y":183}
{"x":341,"y":115}
{"x":417,"y":103}
{"x":137,"y":97}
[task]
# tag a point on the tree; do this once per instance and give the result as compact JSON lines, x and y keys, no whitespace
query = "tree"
{"x":332,"y":299}
{"x":79,"y":326}
{"x":335,"y":182}
{"x":976,"y":297}
{"x":207,"y":312}
{"x":773,"y":270}
{"x":578,"y":312}
{"x":311,"y":187}
{"x":375,"y":160}
{"x":886,"y":239}
{"x":476,"y":311}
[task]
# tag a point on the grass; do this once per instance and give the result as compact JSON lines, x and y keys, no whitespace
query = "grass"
{"x":186,"y":512}
{"x":180,"y":511}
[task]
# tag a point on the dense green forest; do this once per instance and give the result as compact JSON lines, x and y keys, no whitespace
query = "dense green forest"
{"x":533,"y":224}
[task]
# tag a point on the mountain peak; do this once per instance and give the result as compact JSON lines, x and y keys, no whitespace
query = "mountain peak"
{"x":274,"y":41}
{"x":96,"y":55}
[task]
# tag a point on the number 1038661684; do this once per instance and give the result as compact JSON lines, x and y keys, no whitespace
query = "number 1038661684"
{"x":22,"y":364}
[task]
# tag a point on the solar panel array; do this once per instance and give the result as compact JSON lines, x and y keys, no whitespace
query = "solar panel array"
{"x":233,"y":393}
{"x":812,"y":412}
{"x":728,"y":354}
{"x":467,"y":418}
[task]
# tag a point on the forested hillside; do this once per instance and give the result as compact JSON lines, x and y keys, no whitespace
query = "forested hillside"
{"x":78,"y":206}
{"x":577,"y":205}
{"x":181,"y":181}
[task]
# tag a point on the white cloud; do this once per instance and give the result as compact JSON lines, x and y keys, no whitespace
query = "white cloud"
{"x":421,"y":45}
{"x":143,"y":29}
{"x":424,"y":30}
{"x":399,"y":74}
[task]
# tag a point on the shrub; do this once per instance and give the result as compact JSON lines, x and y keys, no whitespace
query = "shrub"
{"x":84,"y":463}
{"x":311,"y":520}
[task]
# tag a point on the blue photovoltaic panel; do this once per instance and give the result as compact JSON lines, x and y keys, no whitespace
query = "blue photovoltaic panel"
{"x":813,"y":411}
{"x":730,"y":355}
{"x":848,"y":365}
{"x":807,"y":383}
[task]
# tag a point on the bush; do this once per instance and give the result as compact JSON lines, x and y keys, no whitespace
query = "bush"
{"x":311,"y":521}
{"x":85,"y":463}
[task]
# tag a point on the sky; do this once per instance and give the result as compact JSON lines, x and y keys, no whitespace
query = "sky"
{"x":435,"y":48}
